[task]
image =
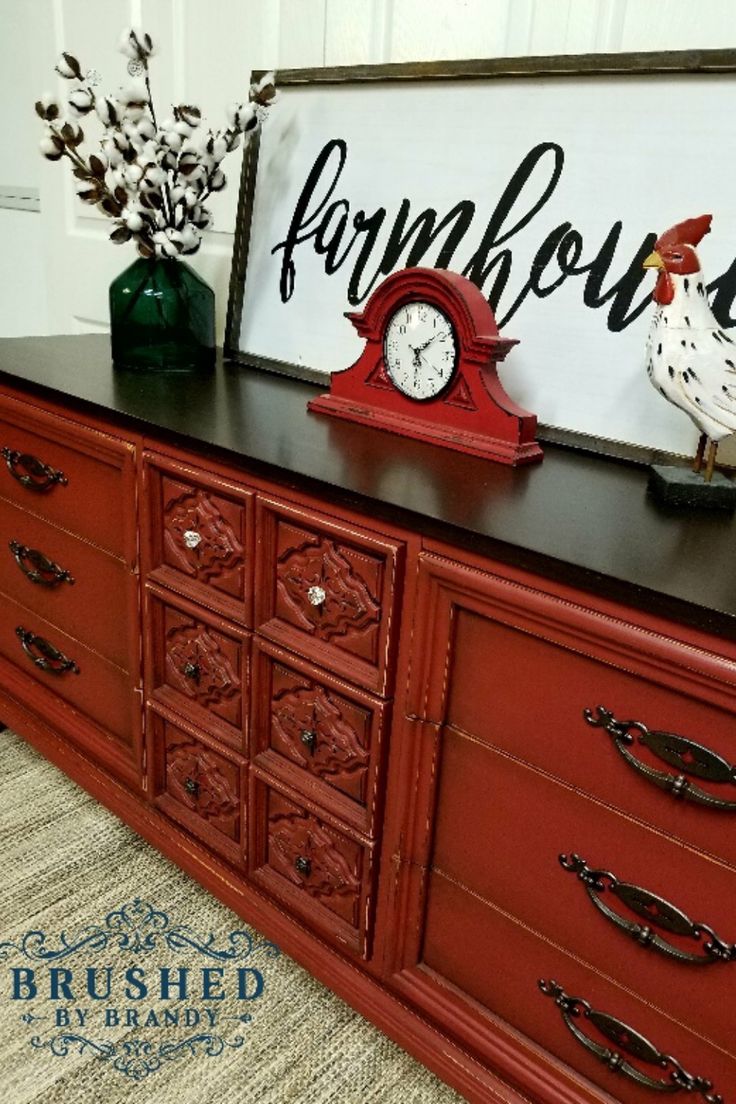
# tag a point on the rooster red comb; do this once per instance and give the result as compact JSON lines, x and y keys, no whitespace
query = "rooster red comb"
{"x":690,"y":232}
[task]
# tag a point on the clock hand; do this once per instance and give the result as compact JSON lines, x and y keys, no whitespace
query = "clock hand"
{"x":429,"y":364}
{"x":420,"y":348}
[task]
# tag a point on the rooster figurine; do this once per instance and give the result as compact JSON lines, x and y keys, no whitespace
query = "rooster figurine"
{"x":691,"y":360}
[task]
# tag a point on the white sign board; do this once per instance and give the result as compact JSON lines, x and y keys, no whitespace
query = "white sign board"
{"x":547,"y":191}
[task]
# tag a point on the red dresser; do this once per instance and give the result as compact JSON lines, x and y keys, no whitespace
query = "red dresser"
{"x":460,"y":738}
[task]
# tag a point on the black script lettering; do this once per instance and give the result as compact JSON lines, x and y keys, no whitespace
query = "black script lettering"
{"x":552,"y":245}
{"x":623,"y":290}
{"x":370,"y":226}
{"x":301,"y":219}
{"x":725,"y":292}
{"x":479,"y":267}
{"x":329,"y":246}
{"x":426,"y":229}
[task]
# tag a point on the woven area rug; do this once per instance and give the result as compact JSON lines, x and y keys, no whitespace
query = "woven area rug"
{"x":71,"y":867}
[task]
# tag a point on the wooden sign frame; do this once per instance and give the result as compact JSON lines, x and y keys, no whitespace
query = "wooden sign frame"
{"x":670,"y":64}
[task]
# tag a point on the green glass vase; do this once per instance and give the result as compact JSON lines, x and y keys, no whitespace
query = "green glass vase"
{"x":162,"y":316}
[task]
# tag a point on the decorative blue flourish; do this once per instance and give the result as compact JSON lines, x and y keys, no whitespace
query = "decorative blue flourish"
{"x":29,"y":1018}
{"x":138,"y":928}
{"x":59,"y":1045}
{"x":137,"y":1058}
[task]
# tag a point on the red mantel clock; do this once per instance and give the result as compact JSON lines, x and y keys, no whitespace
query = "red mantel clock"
{"x":428,"y":369}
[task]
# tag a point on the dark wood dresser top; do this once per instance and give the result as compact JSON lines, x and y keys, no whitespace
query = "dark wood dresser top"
{"x":575,"y":517}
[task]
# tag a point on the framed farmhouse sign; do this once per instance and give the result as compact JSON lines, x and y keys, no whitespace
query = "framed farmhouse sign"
{"x":544,"y":180}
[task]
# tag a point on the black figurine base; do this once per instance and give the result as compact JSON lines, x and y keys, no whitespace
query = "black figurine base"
{"x":682,"y":487}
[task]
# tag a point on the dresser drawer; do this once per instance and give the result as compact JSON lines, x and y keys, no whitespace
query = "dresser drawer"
{"x":67,"y":581}
{"x":517,"y":668}
{"x":67,"y":668}
{"x":197,"y":786}
{"x":499,"y":831}
{"x":198,"y":536}
{"x":329,"y":591}
{"x":198,"y":666}
{"x":320,"y":735}
{"x":320,"y":872}
{"x":495,"y":964}
{"x":79,"y":478}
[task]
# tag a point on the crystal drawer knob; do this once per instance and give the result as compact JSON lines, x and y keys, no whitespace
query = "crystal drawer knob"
{"x":192,"y":538}
{"x":303,"y":866}
{"x":309,"y":738}
{"x":316,"y":595}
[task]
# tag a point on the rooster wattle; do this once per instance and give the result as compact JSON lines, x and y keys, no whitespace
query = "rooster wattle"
{"x":691,"y":360}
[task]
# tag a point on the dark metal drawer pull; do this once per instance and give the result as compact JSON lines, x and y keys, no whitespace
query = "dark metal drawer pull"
{"x":629,"y":1040}
{"x":50,"y":658}
{"x":191,"y":786}
{"x":689,"y":757}
{"x":37,"y":567}
{"x":303,"y":866}
{"x":654,"y":909}
{"x":191,"y":671}
{"x":32,"y":472}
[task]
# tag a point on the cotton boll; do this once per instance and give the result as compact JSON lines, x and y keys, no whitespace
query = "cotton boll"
{"x":183,"y":128}
{"x":48,"y":107}
{"x":248,"y":118}
{"x":117,"y":178}
{"x":191,"y":196}
{"x":219,"y":148}
{"x":81,"y":101}
{"x":218,"y":180}
{"x":114,"y":156}
{"x":155,"y":176}
{"x":129,"y":128}
{"x":136,"y":44}
{"x":173,"y":140}
{"x":133,"y":173}
{"x":68,"y":67}
{"x":132,"y":219}
{"x":146,"y":129}
{"x":177,"y":193}
{"x":190,"y":239}
{"x":134,"y":101}
{"x":51,"y":147}
{"x":107,"y":110}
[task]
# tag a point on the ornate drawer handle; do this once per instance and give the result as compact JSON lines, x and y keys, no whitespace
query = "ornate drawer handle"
{"x":309,"y":738}
{"x":303,"y":866}
{"x":191,"y":786}
{"x":655,"y":909}
{"x":691,"y":758}
{"x":32,"y":472}
{"x":629,"y":1040}
{"x":191,"y":671}
{"x":50,"y":658}
{"x":37,"y":567}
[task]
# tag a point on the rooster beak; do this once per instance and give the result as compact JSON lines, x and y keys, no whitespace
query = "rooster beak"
{"x":653,"y":261}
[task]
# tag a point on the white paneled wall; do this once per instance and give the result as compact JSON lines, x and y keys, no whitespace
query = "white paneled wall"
{"x":56,"y":265}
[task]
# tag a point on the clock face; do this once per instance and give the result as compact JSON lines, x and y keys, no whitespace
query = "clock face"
{"x":420,"y":350}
